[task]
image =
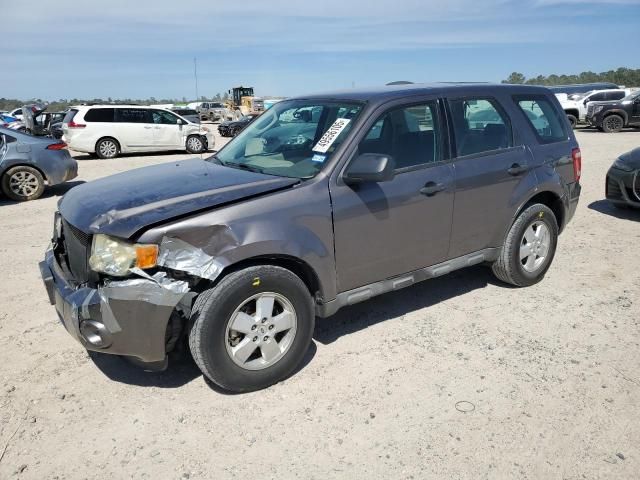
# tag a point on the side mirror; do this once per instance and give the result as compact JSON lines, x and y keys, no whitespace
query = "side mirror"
{"x":180,"y":122}
{"x":370,"y":167}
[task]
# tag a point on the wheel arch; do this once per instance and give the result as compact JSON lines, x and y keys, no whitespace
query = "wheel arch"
{"x":550,"y":199}
{"x":294,"y":264}
{"x":95,"y":146}
{"x":6,"y":168}
{"x":621,"y":113}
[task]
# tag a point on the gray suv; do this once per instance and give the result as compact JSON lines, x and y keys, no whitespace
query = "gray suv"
{"x":322,"y":202}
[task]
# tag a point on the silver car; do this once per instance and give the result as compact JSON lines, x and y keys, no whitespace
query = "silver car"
{"x":27,"y":163}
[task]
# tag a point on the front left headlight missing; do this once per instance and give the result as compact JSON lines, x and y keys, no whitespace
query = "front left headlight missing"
{"x":598,"y":108}
{"x":117,"y":257}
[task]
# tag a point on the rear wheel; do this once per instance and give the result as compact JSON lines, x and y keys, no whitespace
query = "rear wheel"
{"x":529,"y":247}
{"x":107,"y":148}
{"x":253,"y":329}
{"x":195,"y":144}
{"x":613,"y":123}
{"x":22,"y":183}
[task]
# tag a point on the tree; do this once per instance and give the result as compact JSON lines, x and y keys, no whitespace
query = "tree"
{"x":515,"y":77}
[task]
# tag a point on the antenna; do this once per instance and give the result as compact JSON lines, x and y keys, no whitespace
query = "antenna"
{"x":195,"y":75}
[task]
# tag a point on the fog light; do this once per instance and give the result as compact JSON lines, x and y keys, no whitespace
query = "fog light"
{"x":95,"y":334}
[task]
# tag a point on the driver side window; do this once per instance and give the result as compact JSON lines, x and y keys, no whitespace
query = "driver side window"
{"x":408,"y":134}
{"x":164,"y":118}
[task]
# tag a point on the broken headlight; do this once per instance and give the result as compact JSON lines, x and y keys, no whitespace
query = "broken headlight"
{"x":117,"y":257}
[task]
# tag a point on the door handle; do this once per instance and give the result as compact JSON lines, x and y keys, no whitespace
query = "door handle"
{"x":516,"y":169}
{"x":431,"y":188}
{"x":147,"y":127}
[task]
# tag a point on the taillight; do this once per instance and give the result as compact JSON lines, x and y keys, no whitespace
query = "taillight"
{"x":73,"y":124}
{"x":57,"y":146}
{"x":576,"y":156}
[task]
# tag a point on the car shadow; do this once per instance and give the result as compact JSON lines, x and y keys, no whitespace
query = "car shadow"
{"x":395,"y":304}
{"x":53,"y":191}
{"x":605,"y":207}
{"x":181,"y":370}
{"x":595,"y":130}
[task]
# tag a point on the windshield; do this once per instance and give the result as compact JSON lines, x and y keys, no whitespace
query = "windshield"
{"x":293,"y":138}
{"x":631,"y":96}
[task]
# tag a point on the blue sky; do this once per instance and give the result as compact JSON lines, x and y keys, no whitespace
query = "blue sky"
{"x":138,"y":48}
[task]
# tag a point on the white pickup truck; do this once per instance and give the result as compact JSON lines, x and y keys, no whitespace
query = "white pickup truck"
{"x":575,"y":106}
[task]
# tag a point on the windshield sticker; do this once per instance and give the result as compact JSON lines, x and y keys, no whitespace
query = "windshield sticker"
{"x":318,"y":158}
{"x":330,"y":135}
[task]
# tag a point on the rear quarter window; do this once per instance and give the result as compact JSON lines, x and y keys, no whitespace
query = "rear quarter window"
{"x":548,"y":123}
{"x":133,"y":115}
{"x":99,"y":115}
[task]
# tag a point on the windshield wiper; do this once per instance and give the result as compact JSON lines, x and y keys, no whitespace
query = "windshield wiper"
{"x":244,"y":166}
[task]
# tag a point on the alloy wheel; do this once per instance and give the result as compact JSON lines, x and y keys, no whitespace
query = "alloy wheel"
{"x":194,"y":144}
{"x":23,"y":184}
{"x":261,"y":331}
{"x":534,"y":246}
{"x":108,"y":148}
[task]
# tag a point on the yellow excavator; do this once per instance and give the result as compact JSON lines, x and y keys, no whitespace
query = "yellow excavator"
{"x":243,"y":102}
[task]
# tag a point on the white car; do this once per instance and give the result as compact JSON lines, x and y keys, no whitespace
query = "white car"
{"x":16,"y":113}
{"x":108,"y":130}
{"x":576,"y":106}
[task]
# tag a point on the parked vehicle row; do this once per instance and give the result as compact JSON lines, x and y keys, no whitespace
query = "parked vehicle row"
{"x":28,"y":163}
{"x":576,"y":106}
{"x":109,"y":130}
{"x":242,"y":250}
{"x":613,"y":116}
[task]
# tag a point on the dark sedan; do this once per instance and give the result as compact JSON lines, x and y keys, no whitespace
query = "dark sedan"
{"x":623,"y":180}
{"x":28,"y":162}
{"x":231,"y":128}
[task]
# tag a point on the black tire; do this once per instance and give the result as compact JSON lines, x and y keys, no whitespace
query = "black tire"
{"x":508,"y":267}
{"x":107,"y":148}
{"x":612,"y":123}
{"x":195,"y":144}
{"x":213,"y":310}
{"x":573,"y":121}
{"x":22,"y":183}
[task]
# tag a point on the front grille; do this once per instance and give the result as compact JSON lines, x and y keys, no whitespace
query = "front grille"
{"x":590,"y":110}
{"x":77,"y":245}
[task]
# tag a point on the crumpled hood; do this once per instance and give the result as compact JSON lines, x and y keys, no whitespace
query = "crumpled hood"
{"x":122,"y":204}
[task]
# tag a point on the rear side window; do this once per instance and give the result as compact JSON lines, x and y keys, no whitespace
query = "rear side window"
{"x":598,"y":97}
{"x":479,"y":125}
{"x":133,"y":115}
{"x":70,"y":114}
{"x":549,"y":124}
{"x":615,"y":95}
{"x":99,"y":115}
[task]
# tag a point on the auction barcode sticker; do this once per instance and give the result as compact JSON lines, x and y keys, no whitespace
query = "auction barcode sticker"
{"x":330,"y":135}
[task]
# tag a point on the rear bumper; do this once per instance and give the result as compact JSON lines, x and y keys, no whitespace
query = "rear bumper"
{"x":123,"y":318}
{"x":620,"y":188}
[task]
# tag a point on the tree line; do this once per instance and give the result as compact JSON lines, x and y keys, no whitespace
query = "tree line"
{"x":9,"y":104}
{"x":628,"y":77}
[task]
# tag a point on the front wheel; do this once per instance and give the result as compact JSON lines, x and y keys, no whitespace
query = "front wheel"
{"x":613,"y":123}
{"x":573,"y":120}
{"x":252,"y":329}
{"x":195,"y":144}
{"x":529,"y":247}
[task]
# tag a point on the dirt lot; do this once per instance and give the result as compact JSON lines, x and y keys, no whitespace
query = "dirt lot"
{"x":459,"y":377}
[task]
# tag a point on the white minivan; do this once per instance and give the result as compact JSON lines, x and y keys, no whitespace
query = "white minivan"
{"x":108,"y":130}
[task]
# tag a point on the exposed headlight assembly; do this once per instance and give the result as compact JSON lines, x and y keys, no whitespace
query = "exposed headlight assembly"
{"x":116,"y":257}
{"x":620,"y":165}
{"x":598,"y":108}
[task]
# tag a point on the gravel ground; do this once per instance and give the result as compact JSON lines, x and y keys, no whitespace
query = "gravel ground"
{"x":459,"y":377}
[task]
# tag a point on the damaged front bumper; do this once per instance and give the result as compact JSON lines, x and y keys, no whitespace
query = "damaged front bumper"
{"x":128,"y":317}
